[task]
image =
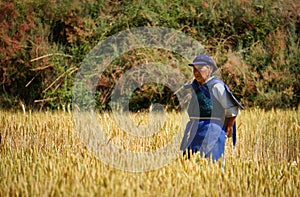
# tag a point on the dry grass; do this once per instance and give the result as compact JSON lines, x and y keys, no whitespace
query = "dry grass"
{"x":41,"y":156}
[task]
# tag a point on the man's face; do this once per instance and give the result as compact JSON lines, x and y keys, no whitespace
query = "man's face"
{"x":202,"y":72}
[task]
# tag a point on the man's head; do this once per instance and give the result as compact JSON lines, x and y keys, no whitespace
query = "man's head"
{"x":203,"y":59}
{"x":203,"y":67}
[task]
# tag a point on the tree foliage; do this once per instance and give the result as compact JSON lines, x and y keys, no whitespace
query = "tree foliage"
{"x":42,"y":44}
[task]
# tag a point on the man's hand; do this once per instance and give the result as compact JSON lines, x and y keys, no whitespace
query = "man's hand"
{"x":229,"y":123}
{"x":228,"y":132}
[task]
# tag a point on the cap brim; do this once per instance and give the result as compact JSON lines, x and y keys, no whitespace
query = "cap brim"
{"x":198,"y":63}
{"x":203,"y":63}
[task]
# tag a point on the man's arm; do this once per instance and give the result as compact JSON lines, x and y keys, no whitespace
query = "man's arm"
{"x":231,"y":110}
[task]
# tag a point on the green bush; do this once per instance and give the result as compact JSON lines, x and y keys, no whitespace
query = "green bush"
{"x":254,"y":42}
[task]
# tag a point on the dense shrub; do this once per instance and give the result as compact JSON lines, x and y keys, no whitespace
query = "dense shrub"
{"x":42,"y":44}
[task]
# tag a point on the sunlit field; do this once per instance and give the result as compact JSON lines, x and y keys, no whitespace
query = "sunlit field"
{"x":41,"y":155}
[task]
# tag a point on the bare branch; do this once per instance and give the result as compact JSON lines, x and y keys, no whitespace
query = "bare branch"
{"x":44,"y":100}
{"x":51,"y":54}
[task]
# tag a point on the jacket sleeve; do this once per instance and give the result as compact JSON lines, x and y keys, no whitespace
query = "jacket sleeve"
{"x":225,"y":99}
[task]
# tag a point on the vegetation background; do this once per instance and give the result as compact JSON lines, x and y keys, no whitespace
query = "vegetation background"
{"x":42,"y":43}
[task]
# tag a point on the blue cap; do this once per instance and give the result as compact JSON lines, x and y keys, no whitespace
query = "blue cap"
{"x":204,"y":60}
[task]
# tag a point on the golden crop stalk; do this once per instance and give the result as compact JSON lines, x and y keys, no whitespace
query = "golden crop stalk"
{"x":42,"y":156}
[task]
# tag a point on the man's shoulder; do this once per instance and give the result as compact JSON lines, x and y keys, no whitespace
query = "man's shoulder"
{"x":215,"y":81}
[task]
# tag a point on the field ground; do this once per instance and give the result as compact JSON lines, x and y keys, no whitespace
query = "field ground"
{"x":41,"y":156}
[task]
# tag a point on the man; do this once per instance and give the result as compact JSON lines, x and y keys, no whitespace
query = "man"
{"x":212,"y":111}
